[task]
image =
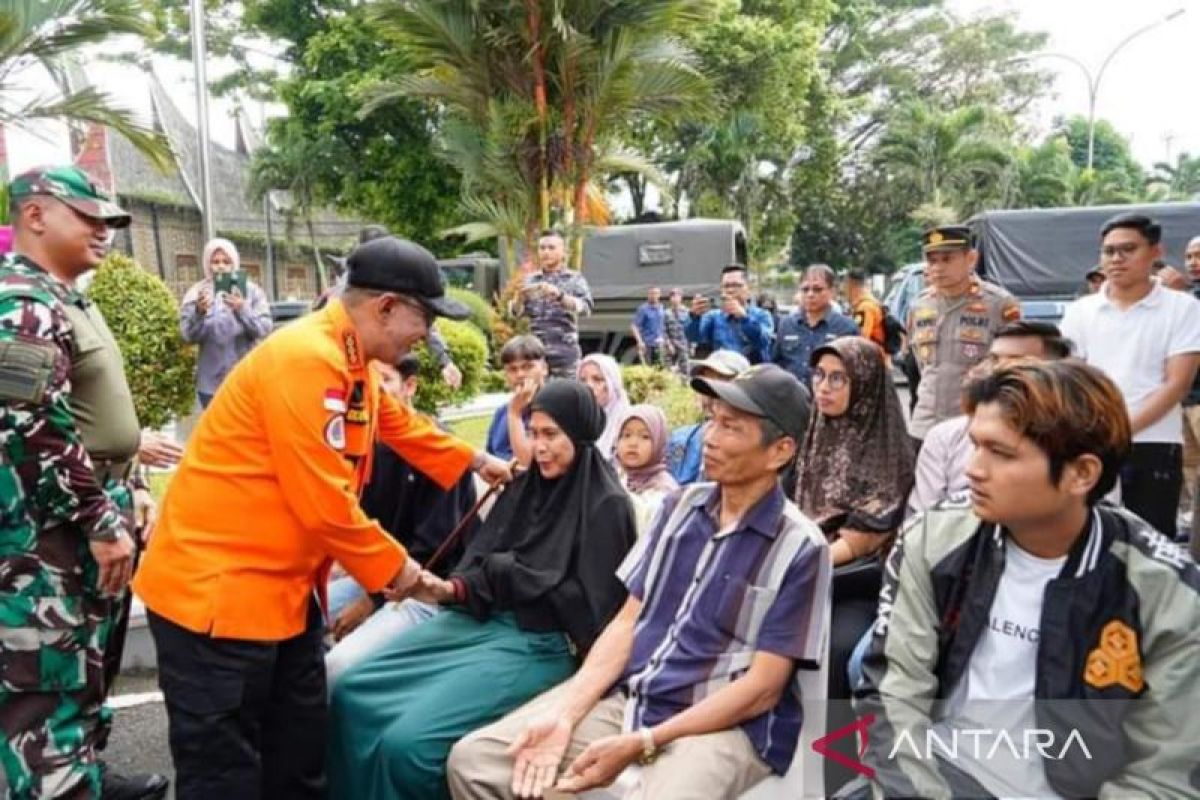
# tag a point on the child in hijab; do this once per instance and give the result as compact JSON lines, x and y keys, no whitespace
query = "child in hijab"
{"x":641,"y":453}
{"x":535,"y":588}
{"x":226,"y":324}
{"x":601,"y":374}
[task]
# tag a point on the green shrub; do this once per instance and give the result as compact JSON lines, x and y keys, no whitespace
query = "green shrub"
{"x":468,"y":349}
{"x":493,"y":381}
{"x":144,"y":318}
{"x":482,"y":314}
{"x":643,"y":383}
{"x":663,"y":389}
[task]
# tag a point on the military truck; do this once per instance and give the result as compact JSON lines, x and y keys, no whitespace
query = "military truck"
{"x":1041,"y":255}
{"x":620,"y":263}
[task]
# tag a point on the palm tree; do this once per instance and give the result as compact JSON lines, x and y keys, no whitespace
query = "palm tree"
{"x":40,"y":35}
{"x":1178,"y":181}
{"x":950,"y":158}
{"x":543,"y":95}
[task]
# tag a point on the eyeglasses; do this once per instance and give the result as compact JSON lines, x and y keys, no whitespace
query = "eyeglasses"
{"x":836,"y":380}
{"x":417,"y":306}
{"x":1111,"y":251}
{"x":733,"y":286}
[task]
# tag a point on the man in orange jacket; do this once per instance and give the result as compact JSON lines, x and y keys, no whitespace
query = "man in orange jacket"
{"x":265,"y":499}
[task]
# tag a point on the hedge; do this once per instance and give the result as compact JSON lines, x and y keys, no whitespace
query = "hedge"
{"x":144,"y":318}
{"x":469,"y":351}
{"x":482,"y":314}
{"x":663,"y":389}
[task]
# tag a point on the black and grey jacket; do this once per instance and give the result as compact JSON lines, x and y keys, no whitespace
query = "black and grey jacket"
{"x":1119,"y":654}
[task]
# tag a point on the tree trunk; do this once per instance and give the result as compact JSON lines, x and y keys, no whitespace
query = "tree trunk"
{"x":534,"y":15}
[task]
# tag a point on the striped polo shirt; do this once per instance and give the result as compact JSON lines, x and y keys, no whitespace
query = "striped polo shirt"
{"x":712,"y":598}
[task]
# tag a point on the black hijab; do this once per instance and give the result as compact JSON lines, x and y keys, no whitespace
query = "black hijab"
{"x":550,"y":548}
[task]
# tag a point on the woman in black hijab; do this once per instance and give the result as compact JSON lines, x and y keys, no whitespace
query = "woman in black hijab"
{"x":536,"y":586}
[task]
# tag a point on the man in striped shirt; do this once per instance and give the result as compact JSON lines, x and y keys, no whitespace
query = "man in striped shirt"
{"x":694,"y":677}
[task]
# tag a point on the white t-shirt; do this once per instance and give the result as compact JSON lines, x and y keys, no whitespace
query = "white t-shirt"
{"x":1132,"y":346}
{"x":996,"y":693}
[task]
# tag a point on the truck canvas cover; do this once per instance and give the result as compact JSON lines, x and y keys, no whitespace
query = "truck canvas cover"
{"x":1046,"y":252}
{"x":623,"y":261}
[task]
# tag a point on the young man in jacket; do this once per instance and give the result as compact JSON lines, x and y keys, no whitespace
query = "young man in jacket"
{"x":959,"y":695}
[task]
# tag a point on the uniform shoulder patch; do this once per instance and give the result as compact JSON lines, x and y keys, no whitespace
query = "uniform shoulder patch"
{"x":26,"y":371}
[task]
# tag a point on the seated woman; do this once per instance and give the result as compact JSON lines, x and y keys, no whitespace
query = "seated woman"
{"x":536,"y":586}
{"x":641,"y":453}
{"x":417,"y":513}
{"x":855,"y":473}
{"x":601,"y":374}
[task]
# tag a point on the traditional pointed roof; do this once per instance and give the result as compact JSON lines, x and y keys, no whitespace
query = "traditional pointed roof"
{"x":134,"y":176}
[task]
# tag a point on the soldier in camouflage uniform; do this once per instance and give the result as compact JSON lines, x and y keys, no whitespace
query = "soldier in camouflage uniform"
{"x":66,"y":551}
{"x":553,"y":298}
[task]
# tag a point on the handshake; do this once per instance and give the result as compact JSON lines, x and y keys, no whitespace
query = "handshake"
{"x":419,"y":584}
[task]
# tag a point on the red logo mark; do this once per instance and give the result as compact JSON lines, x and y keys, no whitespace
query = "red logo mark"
{"x":859,"y":725}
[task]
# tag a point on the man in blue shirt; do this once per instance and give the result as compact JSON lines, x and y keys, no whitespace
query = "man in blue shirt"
{"x":695,"y":677}
{"x":737,"y":325}
{"x":649,"y":328}
{"x":813,"y":324}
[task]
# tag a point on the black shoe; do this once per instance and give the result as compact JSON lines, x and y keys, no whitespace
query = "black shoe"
{"x":116,"y":786}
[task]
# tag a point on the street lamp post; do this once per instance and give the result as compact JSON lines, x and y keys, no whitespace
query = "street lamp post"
{"x":199,"y":58}
{"x":1093,"y":81}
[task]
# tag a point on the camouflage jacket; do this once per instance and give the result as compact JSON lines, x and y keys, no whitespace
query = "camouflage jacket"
{"x":41,"y":449}
{"x":550,"y":320}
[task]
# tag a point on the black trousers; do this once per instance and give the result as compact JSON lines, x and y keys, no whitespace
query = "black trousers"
{"x":246,"y":720}
{"x":1151,"y":481}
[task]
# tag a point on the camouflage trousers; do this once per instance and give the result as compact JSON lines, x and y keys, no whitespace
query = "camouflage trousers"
{"x":54,"y":631}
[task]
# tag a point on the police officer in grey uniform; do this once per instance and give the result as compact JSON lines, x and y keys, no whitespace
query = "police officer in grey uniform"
{"x":951,"y":324}
{"x":553,"y":298}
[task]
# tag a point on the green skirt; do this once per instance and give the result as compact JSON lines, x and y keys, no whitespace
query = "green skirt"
{"x":395,"y":716}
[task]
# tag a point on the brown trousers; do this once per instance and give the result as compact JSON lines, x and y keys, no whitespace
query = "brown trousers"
{"x":709,"y":767}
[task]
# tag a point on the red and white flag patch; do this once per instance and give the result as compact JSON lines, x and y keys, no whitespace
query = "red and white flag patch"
{"x":335,"y":401}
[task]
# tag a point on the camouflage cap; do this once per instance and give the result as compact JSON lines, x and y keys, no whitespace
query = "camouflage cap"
{"x":72,"y":186}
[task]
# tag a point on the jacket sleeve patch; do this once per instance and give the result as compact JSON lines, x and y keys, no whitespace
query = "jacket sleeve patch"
{"x":26,"y":371}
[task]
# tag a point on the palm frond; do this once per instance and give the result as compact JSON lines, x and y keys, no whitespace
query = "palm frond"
{"x":92,"y":105}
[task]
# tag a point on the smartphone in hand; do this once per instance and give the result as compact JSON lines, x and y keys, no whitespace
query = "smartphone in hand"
{"x":227,"y":281}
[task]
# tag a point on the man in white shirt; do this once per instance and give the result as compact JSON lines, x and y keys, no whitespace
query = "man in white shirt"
{"x":1147,"y":339}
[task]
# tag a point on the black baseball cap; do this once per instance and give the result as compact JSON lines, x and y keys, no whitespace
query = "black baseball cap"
{"x":392,"y":264}
{"x":765,"y":390}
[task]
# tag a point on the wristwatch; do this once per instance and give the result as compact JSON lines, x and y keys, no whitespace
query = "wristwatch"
{"x":649,"y":749}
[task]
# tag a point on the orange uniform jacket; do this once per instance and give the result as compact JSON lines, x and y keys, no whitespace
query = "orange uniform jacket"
{"x":868,"y":315}
{"x":267,"y":493}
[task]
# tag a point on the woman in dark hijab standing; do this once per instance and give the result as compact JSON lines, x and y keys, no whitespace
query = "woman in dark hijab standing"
{"x":536,"y":586}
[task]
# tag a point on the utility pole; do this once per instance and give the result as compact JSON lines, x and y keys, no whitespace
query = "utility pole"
{"x":199,"y":59}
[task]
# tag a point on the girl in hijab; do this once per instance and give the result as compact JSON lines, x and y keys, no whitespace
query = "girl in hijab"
{"x":601,"y":374}
{"x":855,"y":473}
{"x":226,"y":324}
{"x":641,"y":453}
{"x":534,"y":589}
